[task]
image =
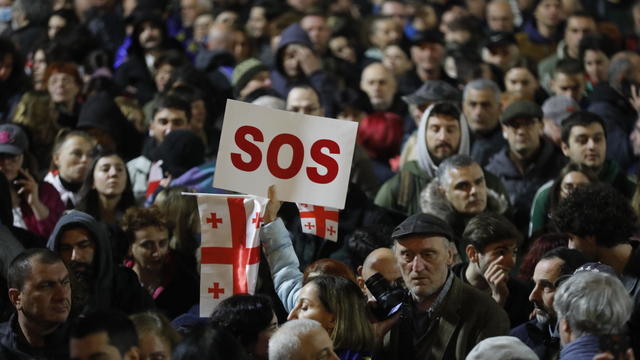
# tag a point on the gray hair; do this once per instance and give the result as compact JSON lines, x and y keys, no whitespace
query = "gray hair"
{"x":620,"y":68}
{"x":481,"y":85}
{"x":286,"y":341}
{"x":593,"y":303}
{"x":453,"y":162}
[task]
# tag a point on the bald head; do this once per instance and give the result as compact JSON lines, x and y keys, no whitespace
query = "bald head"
{"x":381,"y":261}
{"x":220,"y":37}
{"x":500,"y":16}
{"x":379,"y":84}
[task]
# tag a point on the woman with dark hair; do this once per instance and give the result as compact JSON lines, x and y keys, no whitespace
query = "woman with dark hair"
{"x":207,"y":342}
{"x":250,"y":318}
{"x":106,"y":191}
{"x":539,"y":247}
{"x":339,"y":306}
{"x":13,"y":81}
{"x":550,"y":194}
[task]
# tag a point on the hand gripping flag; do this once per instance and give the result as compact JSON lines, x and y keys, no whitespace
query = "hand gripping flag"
{"x":230,"y":251}
{"x":319,"y":220}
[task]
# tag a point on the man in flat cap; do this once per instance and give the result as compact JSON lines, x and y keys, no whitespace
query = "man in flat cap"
{"x":528,"y":162}
{"x":442,"y":318}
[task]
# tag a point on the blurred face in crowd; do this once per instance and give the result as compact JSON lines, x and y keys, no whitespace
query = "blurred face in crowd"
{"x":502,"y":56}
{"x":63,"y":88}
{"x":201,"y":27}
{"x":150,"y":36}
{"x":6,"y":67}
{"x":587,"y":145}
{"x":482,"y":109}
{"x":577,"y":28}
{"x":78,"y":250}
{"x":98,"y":346}
{"x":257,"y":22}
{"x":150,"y":248}
{"x":396,"y":10}
{"x":10,"y":165}
{"x":521,"y":83}
{"x":291,"y":60}
{"x":153,"y":347}
{"x":56,"y":23}
{"x":424,"y":264}
{"x":465,"y":189}
{"x":428,"y":57}
{"x":304,"y":101}
{"x":228,"y":18}
{"x":385,"y":32}
{"x":500,"y":16}
{"x":189,"y":11}
{"x":110,"y":176}
{"x":549,"y":13}
{"x":454,"y":12}
{"x":240,"y":45}
{"x":162,"y":76}
{"x":309,"y":306}
{"x":73,"y":158}
{"x":545,"y":275}
{"x":379,"y":84}
{"x":318,"y":30}
{"x":342,"y":49}
{"x":39,"y":65}
{"x":523,"y":136}
{"x":165,"y":120}
{"x":443,"y":136}
{"x":596,"y":64}
{"x":571,"y":181}
{"x":198,"y":115}
{"x":569,"y":85}
{"x":45,"y":297}
{"x":396,"y":60}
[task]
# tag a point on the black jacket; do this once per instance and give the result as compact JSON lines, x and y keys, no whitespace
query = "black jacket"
{"x":13,"y":345}
{"x":114,"y":286}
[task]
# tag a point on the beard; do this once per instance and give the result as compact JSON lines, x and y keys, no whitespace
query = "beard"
{"x":82,"y":280}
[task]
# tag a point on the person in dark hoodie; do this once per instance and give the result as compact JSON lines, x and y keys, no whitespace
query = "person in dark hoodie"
{"x":98,"y":283}
{"x":148,"y":41}
{"x":298,"y":64}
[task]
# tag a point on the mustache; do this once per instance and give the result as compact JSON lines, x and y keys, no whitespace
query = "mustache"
{"x":82,"y":270}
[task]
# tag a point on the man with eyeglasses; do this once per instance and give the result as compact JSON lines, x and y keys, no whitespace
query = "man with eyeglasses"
{"x":541,"y":333}
{"x":528,"y":161}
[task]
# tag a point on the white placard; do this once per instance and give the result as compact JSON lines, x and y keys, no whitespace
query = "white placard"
{"x":257,"y":150}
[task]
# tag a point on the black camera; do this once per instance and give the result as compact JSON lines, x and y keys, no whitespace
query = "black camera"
{"x":389,"y":297}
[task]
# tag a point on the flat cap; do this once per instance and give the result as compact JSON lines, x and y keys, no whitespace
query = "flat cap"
{"x":432,"y":91}
{"x":521,"y":109}
{"x":422,"y":224}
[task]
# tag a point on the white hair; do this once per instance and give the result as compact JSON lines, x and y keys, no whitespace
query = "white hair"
{"x":286,"y":341}
{"x":593,"y":303}
{"x":481,"y":85}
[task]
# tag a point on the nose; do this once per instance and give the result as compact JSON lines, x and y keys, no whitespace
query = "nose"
{"x":535,"y":294}
{"x":441,"y":135}
{"x":75,"y":255}
{"x":417,"y":264}
{"x":508,"y":260}
{"x":293,"y":315}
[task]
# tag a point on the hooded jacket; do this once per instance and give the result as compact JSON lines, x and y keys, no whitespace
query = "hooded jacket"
{"x":319,"y":80}
{"x":114,"y":286}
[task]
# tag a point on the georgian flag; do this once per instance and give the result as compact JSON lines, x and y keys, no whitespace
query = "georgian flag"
{"x":230,"y":250}
{"x":319,"y":220}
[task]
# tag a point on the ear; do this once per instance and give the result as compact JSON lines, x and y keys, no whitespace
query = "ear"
{"x":15,"y":298}
{"x":450,"y":253}
{"x":472,"y":253}
{"x":504,"y":132}
{"x":359,"y":277}
{"x":55,"y":158}
{"x":565,"y":148}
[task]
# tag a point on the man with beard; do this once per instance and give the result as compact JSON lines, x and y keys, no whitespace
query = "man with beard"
{"x":541,"y":333}
{"x":98,"y":284}
{"x":445,"y":134}
{"x":442,"y":318}
{"x":600,"y":221}
{"x":528,"y":162}
{"x":491,"y":245}
{"x":39,"y":289}
{"x":149,"y":40}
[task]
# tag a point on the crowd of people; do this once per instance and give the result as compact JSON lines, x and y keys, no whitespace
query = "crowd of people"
{"x":493,"y":204}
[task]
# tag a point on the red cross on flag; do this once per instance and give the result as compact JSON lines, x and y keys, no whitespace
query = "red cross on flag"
{"x":319,"y":220}
{"x":230,"y":251}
